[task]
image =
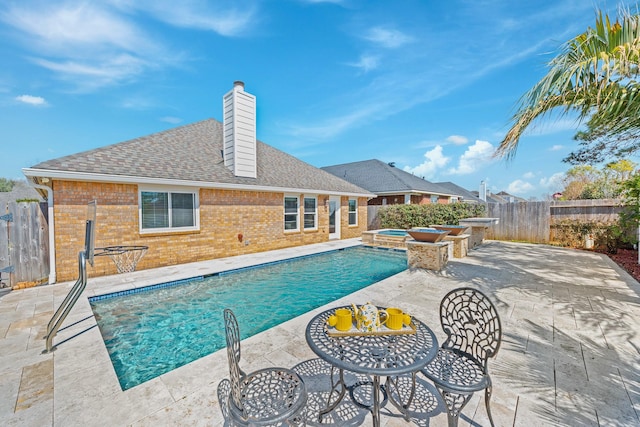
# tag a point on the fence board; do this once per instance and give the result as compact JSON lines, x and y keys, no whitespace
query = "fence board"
{"x":5,"y":261}
{"x":521,"y":221}
{"x":532,"y":221}
{"x":373,"y":220}
{"x":28,"y":243}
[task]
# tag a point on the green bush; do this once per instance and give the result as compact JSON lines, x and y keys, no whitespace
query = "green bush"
{"x":607,"y":237}
{"x":408,"y":216}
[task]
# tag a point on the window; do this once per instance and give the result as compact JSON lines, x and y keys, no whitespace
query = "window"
{"x":165,"y":210}
{"x":290,"y":213}
{"x":353,"y":212}
{"x":310,"y":213}
{"x":434,"y":198}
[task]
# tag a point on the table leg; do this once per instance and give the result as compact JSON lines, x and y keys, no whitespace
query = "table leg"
{"x":334,"y":385}
{"x":376,"y":401}
{"x":404,"y":408}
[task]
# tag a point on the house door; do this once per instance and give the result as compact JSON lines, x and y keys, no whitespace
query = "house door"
{"x":334,"y":217}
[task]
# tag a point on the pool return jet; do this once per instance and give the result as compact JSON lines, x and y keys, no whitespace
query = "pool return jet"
{"x":72,"y":297}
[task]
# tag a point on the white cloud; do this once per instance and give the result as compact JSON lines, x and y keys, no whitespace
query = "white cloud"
{"x":519,"y":187}
{"x":68,"y":29}
{"x":556,"y":148}
{"x":528,"y":175}
{"x":457,"y":140}
{"x":338,"y":124}
{"x":97,"y":44}
{"x":476,"y":156}
{"x":366,"y":63}
{"x":550,"y":125}
{"x":434,"y":160}
{"x":197,"y":15}
{"x":84,"y":43}
{"x":388,"y":38}
{"x":171,"y":119}
{"x":32,"y":100}
{"x":553,"y":183}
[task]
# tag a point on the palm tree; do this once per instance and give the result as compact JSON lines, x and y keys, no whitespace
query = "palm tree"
{"x":595,"y":76}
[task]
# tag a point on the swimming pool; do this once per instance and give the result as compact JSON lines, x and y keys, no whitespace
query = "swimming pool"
{"x":154,"y":330}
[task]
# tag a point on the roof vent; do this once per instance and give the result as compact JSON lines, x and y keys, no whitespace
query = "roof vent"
{"x":239,"y":116}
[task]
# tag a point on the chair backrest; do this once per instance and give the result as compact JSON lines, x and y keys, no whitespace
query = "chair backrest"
{"x":232,"y":334}
{"x":471,"y":323}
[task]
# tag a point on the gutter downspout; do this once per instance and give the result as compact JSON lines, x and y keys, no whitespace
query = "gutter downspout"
{"x":52,"y":232}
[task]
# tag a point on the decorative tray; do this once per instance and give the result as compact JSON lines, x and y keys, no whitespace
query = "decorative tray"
{"x":354,"y":332}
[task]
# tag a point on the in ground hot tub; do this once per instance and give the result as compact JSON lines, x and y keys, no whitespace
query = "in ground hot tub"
{"x":389,"y":237}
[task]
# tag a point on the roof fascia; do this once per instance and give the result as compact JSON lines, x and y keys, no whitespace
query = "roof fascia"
{"x":126,"y":179}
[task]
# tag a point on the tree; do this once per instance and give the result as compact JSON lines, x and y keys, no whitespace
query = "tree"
{"x":580,"y":182}
{"x":587,"y":182}
{"x":6,"y":185}
{"x":595,"y":76}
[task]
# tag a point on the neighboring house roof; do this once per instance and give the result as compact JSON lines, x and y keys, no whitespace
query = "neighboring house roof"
{"x":509,"y":198}
{"x":191,"y":155}
{"x":501,"y":197}
{"x":381,"y":178}
{"x":466,"y":195}
{"x":22,"y":190}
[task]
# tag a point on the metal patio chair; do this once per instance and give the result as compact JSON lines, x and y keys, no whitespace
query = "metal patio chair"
{"x":271,"y":396}
{"x":474,"y":333}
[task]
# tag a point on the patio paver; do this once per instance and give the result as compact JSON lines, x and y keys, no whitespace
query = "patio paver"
{"x":570,"y":353}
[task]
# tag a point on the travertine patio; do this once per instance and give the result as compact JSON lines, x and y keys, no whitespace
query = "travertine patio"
{"x":570,"y":354}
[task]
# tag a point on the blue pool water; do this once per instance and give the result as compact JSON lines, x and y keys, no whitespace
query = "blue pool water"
{"x":393,"y":232}
{"x":154,"y":331}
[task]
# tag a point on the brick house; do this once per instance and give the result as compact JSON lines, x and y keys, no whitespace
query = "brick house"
{"x":196,"y":192}
{"x":391,"y":185}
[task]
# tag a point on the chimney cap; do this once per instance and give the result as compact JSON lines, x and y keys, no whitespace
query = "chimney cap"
{"x":239,"y":83}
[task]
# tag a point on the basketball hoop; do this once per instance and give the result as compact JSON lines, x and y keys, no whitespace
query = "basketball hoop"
{"x":124,"y":257}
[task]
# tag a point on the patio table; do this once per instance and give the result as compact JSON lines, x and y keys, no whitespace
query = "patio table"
{"x":386,"y":355}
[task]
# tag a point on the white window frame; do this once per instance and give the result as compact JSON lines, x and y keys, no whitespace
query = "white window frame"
{"x":170,"y":190}
{"x":434,"y":199}
{"x":297,"y":213}
{"x":314,"y":213}
{"x":355,"y":212}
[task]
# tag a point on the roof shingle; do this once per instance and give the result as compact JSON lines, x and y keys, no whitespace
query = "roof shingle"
{"x":379,"y":177}
{"x":194,"y":153}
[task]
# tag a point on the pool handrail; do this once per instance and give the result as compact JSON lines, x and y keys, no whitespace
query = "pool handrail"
{"x":70,"y":300}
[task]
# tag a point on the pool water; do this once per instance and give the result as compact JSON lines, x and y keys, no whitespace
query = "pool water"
{"x":393,"y":232}
{"x":152,"y":332}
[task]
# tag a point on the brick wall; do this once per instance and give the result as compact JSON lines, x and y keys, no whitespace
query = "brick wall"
{"x":224,"y":214}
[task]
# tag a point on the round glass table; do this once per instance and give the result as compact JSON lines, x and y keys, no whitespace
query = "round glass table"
{"x":381,"y":355}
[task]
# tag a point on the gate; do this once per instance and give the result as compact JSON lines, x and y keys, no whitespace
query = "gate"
{"x":24,"y":245}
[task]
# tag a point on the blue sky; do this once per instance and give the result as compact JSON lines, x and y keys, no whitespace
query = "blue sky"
{"x":429,"y":85}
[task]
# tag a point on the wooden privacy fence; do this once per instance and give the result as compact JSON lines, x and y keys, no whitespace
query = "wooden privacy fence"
{"x":24,"y":244}
{"x":532,"y":221}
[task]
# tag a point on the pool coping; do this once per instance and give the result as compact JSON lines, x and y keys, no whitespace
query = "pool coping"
{"x":568,"y":356}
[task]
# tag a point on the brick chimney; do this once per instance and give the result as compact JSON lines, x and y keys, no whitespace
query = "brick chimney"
{"x":239,"y":117}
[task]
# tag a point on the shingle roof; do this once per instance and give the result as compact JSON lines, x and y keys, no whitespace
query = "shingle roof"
{"x":379,"y":177}
{"x":194,"y":153}
{"x":460,"y":191}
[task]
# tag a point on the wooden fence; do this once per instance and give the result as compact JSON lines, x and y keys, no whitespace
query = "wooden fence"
{"x":533,"y":221}
{"x":24,"y":244}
